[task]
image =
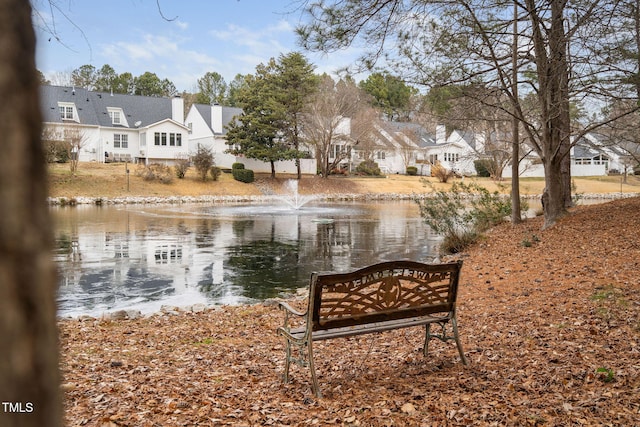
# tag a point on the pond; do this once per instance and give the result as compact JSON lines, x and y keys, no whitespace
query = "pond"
{"x":141,"y":257}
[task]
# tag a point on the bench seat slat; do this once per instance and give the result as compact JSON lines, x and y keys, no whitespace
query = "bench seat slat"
{"x":298,"y":333}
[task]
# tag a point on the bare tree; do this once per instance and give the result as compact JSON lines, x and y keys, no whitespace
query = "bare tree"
{"x":61,"y":78}
{"x":363,"y":131}
{"x":29,"y":376}
{"x":324,"y":121}
{"x":74,"y":139}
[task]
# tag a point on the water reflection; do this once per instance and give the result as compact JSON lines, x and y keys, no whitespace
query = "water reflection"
{"x":142,"y":257}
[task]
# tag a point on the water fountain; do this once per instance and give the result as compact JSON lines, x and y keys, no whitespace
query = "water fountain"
{"x":293,"y":198}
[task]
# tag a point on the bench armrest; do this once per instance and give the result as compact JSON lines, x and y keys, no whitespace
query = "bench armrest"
{"x":289,"y":313}
{"x":288,"y":309}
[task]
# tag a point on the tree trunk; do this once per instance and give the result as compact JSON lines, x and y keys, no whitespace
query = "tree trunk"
{"x":273,"y":169}
{"x":29,"y":377}
{"x":553,"y":97}
{"x":565,"y":172}
{"x":552,"y":197}
{"x":516,"y":217}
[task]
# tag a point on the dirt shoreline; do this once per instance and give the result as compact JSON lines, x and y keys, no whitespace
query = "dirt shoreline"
{"x":550,"y":321}
{"x":99,"y":201}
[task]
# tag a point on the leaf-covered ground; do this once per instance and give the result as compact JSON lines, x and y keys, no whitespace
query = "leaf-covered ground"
{"x":550,"y":322}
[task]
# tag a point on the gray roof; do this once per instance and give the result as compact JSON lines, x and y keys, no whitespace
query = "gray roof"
{"x":92,"y":106}
{"x":585,"y":152}
{"x":417,"y":133}
{"x":586,"y":148}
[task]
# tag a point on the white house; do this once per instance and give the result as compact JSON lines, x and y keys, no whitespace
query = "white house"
{"x":116,"y":127}
{"x":394,"y":146}
{"x":207,"y":127}
{"x":455,"y":152}
{"x":592,"y":155}
{"x":398,"y":145}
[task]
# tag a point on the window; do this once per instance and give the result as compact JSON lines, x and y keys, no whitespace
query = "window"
{"x":601,"y":160}
{"x":381,"y":155}
{"x":451,"y":157}
{"x":67,"y":111}
{"x":160,"y":138}
{"x":433,"y":159}
{"x":115,"y":117}
{"x":337,"y":150}
{"x":120,"y":140}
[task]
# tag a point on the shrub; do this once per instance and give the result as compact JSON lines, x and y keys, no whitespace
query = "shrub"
{"x":339,"y":171}
{"x":55,"y":150}
{"x":243,"y":175}
{"x":237,"y":166}
{"x":461,"y":214}
{"x":203,"y":161}
{"x":156,"y":172}
{"x":181,"y":167}
{"x":483,"y":167}
{"x":441,"y":173}
{"x":215,"y":173}
{"x":368,"y":167}
{"x":455,"y":243}
{"x":412,"y":170}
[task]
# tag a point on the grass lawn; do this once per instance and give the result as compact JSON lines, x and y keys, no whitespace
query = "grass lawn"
{"x":112,"y":180}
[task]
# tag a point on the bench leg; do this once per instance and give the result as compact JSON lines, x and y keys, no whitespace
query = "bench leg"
{"x":427,"y":338}
{"x":454,"y":325}
{"x":444,"y":338}
{"x":287,"y":362}
{"x":314,"y":380}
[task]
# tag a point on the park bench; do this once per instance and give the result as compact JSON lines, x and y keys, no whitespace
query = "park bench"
{"x":381,"y":297}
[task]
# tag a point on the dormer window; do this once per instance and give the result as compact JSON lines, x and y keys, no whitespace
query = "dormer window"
{"x":117,"y":117}
{"x":68,"y":111}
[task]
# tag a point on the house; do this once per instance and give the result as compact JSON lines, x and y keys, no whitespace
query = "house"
{"x":591,"y":155}
{"x":207,"y":127}
{"x":115,"y":127}
{"x":394,"y":146}
{"x":596,"y":150}
{"x":398,"y":145}
{"x":456,"y":151}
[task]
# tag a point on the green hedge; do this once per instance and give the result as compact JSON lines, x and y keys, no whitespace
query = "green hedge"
{"x":368,"y":167}
{"x":412,"y":170}
{"x":482,"y":167}
{"x":243,"y":175}
{"x":237,"y":166}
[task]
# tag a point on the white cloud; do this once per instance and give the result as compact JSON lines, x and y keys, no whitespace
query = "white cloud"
{"x":182,"y":25}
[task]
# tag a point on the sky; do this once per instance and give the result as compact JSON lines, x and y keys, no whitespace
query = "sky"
{"x":181,"y":41}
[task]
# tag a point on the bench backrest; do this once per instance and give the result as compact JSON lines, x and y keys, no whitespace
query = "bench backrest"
{"x":386,"y":291}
